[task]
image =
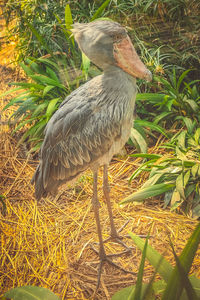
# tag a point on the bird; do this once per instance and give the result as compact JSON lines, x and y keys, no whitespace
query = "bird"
{"x":94,"y":122}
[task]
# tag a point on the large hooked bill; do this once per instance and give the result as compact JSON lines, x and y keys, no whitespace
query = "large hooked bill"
{"x":128,"y":60}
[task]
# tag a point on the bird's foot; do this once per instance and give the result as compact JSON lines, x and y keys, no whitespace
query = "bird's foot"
{"x":106,"y":258}
{"x":115,"y":236}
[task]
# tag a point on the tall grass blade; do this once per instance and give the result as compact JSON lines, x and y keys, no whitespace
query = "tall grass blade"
{"x":68,"y":17}
{"x":174,"y":285}
{"x":40,"y":38}
{"x":138,"y":288}
{"x":100,"y":10}
{"x":184,"y":278}
{"x":155,"y":258}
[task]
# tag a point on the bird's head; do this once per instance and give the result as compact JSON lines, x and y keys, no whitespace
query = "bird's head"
{"x":107,"y":43}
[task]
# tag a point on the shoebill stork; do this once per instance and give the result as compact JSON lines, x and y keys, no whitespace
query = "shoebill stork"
{"x":94,"y":122}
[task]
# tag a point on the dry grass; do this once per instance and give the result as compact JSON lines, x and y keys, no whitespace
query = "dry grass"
{"x":47,"y":243}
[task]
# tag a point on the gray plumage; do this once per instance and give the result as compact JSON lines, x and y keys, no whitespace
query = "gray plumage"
{"x":94,"y":121}
{"x":91,"y":125}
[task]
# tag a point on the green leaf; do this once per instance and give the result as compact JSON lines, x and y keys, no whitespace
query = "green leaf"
{"x":175,"y":200}
{"x":152,"y":97}
{"x":197,"y":136}
{"x":52,"y":74}
{"x":184,"y":278}
{"x":47,"y":89}
{"x":29,"y":85}
{"x":123,"y":293}
{"x":26,"y":69}
{"x":10,"y":92}
{"x":136,"y":295}
{"x":68,"y":17}
{"x":100,"y":10}
{"x":48,"y":81}
{"x":194,"y":106}
{"x":148,"y":192}
{"x":85,"y":63}
{"x":34,"y":66}
{"x":39,"y":38}
{"x":146,"y":155}
{"x":152,"y":180}
{"x":154,"y":257}
{"x":188,"y":123}
{"x":19,"y":99}
{"x":186,"y":178}
{"x":161,"y":116}
{"x":180,"y":185}
{"x":31,"y":293}
{"x":138,"y":139}
{"x":152,"y":126}
{"x":174,"y":285}
{"x":181,"y":139}
{"x":180,"y":154}
{"x":180,"y":80}
{"x":142,"y":168}
{"x":52,"y":107}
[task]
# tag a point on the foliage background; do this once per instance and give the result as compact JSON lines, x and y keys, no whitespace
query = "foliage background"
{"x":45,"y":244}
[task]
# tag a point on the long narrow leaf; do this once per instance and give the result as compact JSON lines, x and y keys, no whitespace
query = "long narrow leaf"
{"x":152,"y":126}
{"x":138,"y":288}
{"x":184,"y":278}
{"x":39,"y":38}
{"x":148,"y":192}
{"x":52,"y":107}
{"x":10,"y":92}
{"x":30,"y":293}
{"x":181,"y":78}
{"x":154,"y":257}
{"x":152,"y":97}
{"x":100,"y":10}
{"x":138,"y":139}
{"x":68,"y":17}
{"x":174,"y":286}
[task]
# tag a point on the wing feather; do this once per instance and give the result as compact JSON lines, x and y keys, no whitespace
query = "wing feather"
{"x":78,"y":134}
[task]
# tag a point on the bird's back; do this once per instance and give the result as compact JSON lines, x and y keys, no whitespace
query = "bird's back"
{"x":91,"y":125}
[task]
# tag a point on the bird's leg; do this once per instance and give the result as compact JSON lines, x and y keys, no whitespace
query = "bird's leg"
{"x":106,"y":189}
{"x":95,"y":204}
{"x":102,"y":255}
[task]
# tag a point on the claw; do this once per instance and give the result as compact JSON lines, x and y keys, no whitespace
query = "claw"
{"x":108,"y":260}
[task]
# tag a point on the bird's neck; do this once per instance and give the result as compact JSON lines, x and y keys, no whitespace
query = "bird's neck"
{"x":118,"y":79}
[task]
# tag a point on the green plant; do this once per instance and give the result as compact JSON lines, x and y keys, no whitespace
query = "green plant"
{"x":30,"y":293}
{"x":140,"y":133}
{"x":38,"y":99}
{"x":46,"y":19}
{"x":175,"y":174}
{"x":178,"y":102}
{"x":52,"y":77}
{"x":175,"y":284}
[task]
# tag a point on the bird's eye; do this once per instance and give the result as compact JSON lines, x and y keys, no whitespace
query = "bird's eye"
{"x":118,"y":37}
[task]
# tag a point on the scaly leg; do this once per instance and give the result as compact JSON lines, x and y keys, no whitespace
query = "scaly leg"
{"x":102,"y":255}
{"x":114,"y":234}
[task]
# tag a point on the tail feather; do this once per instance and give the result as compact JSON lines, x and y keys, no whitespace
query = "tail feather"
{"x":37,"y":180}
{"x":45,"y":185}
